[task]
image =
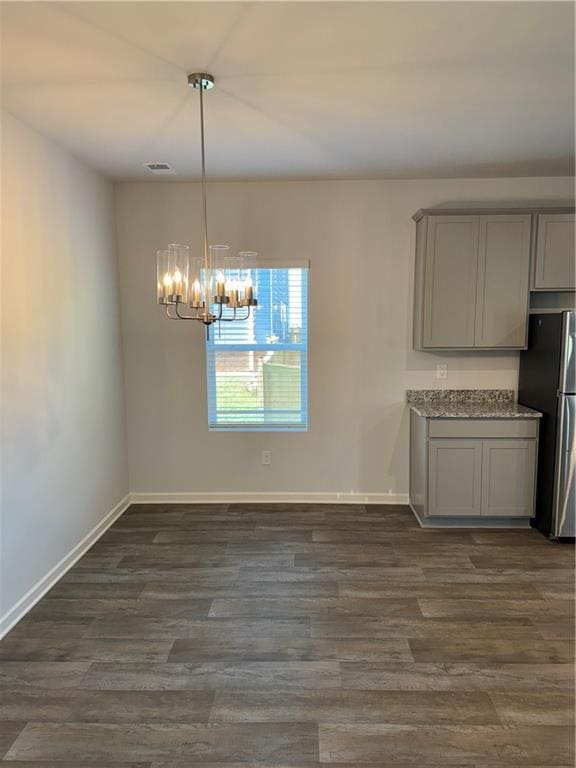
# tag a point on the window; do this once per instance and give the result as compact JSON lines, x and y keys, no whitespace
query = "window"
{"x":257,"y":370}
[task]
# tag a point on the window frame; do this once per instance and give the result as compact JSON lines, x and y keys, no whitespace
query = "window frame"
{"x":269,"y":426}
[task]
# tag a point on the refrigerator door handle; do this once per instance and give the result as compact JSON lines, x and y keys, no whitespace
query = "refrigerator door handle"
{"x":568,"y":360}
{"x":565,"y":488}
{"x":565,"y":527}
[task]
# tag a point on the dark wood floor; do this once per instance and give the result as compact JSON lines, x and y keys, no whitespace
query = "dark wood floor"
{"x":296,"y":636}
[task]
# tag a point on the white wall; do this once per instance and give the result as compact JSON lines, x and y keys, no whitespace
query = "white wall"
{"x":359,"y":238}
{"x":64,"y":464}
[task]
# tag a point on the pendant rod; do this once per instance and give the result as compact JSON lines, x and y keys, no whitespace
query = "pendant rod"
{"x":204,"y":206}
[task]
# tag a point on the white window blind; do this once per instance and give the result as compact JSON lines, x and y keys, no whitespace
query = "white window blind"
{"x":257,"y":369}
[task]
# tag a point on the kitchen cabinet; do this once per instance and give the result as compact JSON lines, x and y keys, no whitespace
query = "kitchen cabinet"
{"x":554,"y":261}
{"x":502,"y":282}
{"x":451,"y":263}
{"x":473,"y":470}
{"x":508,"y":477}
{"x":455,"y":474}
{"x":472,"y":279}
{"x":475,"y":269}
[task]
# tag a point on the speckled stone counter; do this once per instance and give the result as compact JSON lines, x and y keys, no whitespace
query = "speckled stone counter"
{"x":468,"y":404}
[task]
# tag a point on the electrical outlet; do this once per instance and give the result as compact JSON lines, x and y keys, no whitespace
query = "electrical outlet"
{"x":442,"y":371}
{"x":266,"y":458}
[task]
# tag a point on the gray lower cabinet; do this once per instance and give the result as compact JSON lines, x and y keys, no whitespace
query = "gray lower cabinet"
{"x":455,"y":478}
{"x":555,"y":261}
{"x":465,"y":468}
{"x":508,"y":477}
{"x":472,"y":280}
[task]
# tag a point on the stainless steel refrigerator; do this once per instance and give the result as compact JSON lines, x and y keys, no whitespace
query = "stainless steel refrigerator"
{"x":547,"y":382}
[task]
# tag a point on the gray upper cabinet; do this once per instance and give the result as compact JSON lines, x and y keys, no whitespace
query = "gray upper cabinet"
{"x":472,"y":276}
{"x":503,"y":277}
{"x":554,"y":263}
{"x":450,"y":281}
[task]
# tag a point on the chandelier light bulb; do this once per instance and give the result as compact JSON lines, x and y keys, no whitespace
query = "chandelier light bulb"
{"x":248,"y":291}
{"x":196,"y":297}
{"x":178,"y":283}
{"x":233,"y":293}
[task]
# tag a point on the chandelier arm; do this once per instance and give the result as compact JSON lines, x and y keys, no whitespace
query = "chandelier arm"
{"x":223,"y":319}
{"x":235,"y":317}
{"x":180,"y":316}
{"x":201,"y":318}
{"x":168,"y":315}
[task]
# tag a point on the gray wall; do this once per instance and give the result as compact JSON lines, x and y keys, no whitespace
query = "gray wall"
{"x":360,"y":240}
{"x":63,"y":444}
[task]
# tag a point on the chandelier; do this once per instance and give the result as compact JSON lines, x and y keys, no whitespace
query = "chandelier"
{"x":217,"y":286}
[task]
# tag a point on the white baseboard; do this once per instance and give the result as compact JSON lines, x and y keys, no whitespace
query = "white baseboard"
{"x":18,"y":611}
{"x":257,"y":497}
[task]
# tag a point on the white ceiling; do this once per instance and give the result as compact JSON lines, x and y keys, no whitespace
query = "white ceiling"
{"x":303,"y":90}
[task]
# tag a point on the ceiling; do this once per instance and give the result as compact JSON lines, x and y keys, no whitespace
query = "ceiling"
{"x":303,"y":89}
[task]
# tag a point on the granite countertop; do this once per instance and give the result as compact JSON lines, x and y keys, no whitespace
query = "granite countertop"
{"x":474,"y":411}
{"x":468,"y":404}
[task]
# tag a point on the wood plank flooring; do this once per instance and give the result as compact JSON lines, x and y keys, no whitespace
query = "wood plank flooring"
{"x":296,"y":636}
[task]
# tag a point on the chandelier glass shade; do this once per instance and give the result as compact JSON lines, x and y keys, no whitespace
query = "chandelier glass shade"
{"x":217,"y":286}
{"x":227,"y":281}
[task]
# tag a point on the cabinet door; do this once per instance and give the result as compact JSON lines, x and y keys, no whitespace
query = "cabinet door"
{"x":508,"y":478}
{"x":454,"y":478}
{"x":554,"y":266}
{"x":450,"y":282}
{"x":503,"y":278}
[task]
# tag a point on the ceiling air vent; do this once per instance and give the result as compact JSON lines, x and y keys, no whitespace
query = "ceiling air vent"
{"x":159,"y":168}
